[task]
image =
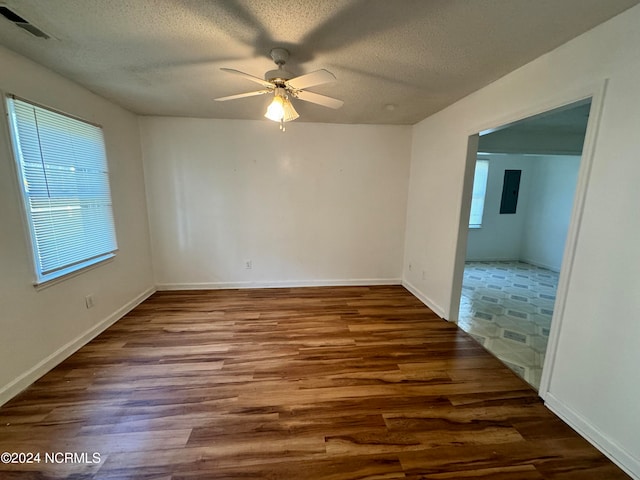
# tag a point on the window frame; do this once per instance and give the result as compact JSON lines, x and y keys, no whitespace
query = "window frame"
{"x":485,"y":163}
{"x":42,"y":278}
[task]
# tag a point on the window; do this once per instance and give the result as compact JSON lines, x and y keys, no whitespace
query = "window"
{"x":479,"y":192}
{"x":62,"y":168}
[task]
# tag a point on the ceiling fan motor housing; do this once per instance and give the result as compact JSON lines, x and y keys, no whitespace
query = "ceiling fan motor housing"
{"x":279,"y":55}
{"x":280,"y":75}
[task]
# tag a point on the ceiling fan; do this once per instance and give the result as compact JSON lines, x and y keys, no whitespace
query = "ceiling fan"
{"x":284,"y":86}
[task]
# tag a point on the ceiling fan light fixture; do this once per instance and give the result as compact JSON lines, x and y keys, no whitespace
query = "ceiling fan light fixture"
{"x":281,"y":109}
{"x":285,"y":85}
{"x":275,"y":111}
{"x":289,"y":112}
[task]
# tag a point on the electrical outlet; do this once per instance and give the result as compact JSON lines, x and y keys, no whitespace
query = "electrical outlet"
{"x":409,"y":267}
{"x":88,"y":301}
{"x":248,"y":264}
{"x":424,"y":275}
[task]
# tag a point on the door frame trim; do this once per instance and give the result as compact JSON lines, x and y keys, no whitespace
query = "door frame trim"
{"x":595,"y":92}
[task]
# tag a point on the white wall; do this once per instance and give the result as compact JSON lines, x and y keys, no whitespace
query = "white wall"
{"x":39,"y":328}
{"x":318,"y":204}
{"x":594,"y":380}
{"x":552,"y":189}
{"x":537,"y":232}
{"x":501,"y":235}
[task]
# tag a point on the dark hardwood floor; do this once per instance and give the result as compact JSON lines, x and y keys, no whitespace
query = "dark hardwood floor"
{"x":311,"y":383}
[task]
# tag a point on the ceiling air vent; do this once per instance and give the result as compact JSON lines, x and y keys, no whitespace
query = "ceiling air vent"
{"x":22,"y":23}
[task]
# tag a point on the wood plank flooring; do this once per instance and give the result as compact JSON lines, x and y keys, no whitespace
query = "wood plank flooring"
{"x":313,"y":383}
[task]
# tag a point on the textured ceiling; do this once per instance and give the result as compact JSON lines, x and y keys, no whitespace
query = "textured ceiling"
{"x":569,"y":119}
{"x":396,"y":61}
{"x":557,"y":132}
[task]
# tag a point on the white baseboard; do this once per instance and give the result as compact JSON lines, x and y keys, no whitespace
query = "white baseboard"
{"x":14,"y":387}
{"x":493,"y":259}
{"x":618,"y":455}
{"x":437,"y":309}
{"x":361,"y":282}
{"x":553,"y":268}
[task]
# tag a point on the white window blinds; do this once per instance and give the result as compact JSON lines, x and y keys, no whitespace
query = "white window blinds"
{"x":479,"y":193}
{"x":65,"y":184}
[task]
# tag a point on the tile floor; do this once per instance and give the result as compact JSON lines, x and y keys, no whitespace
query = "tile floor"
{"x":507,"y":307}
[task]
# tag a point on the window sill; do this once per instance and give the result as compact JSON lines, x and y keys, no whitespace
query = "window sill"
{"x":65,"y":275}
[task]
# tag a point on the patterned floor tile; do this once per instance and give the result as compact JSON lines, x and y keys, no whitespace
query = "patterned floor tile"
{"x":507,"y":307}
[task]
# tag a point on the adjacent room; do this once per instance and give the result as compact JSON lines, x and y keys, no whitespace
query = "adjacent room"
{"x":522,"y":201}
{"x":241,"y":239}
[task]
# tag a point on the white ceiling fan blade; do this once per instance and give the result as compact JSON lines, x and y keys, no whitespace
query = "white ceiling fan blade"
{"x":319,"y":99}
{"x":242,"y":95}
{"x":259,"y":80}
{"x":311,"y":79}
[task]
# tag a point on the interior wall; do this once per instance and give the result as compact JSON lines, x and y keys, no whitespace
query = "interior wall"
{"x":319,"y":204}
{"x":591,"y":380}
{"x":537,"y":232}
{"x":552,"y":188}
{"x":501,"y":235}
{"x":40,"y":327}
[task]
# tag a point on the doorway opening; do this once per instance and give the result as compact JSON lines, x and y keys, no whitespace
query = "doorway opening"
{"x":526,"y":175}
